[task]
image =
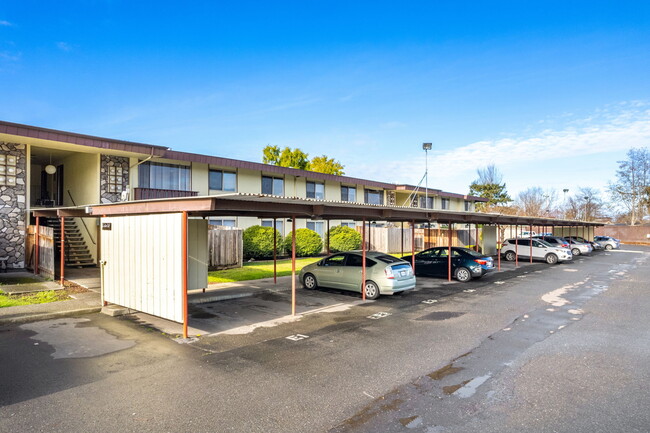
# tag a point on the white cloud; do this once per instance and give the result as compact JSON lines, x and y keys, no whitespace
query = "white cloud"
{"x":64,"y":46}
{"x":5,"y":23}
{"x":610,"y":129}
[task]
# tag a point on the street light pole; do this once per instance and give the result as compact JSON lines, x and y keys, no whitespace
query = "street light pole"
{"x":427,"y":148}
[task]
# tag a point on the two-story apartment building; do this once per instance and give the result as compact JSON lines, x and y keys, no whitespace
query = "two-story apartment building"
{"x":47,"y":168}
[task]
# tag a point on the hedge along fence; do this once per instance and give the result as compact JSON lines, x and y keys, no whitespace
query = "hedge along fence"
{"x":343,"y":238}
{"x":308,"y":243}
{"x":258,"y":242}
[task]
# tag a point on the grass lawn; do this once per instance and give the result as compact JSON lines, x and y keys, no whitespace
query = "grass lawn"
{"x":257,"y":270}
{"x":32,"y":298}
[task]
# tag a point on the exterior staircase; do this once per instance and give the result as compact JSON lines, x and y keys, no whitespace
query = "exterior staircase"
{"x":77,"y":253}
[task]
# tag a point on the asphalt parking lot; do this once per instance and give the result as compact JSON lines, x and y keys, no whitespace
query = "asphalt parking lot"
{"x":540,"y":348}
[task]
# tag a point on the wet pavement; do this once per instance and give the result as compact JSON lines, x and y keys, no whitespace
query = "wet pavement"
{"x":543,"y":348}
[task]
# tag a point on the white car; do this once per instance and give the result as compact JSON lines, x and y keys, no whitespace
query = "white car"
{"x":541,"y":250}
{"x":608,"y":242}
{"x":578,"y":248}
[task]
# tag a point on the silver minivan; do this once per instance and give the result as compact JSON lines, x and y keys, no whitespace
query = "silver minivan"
{"x":541,"y":250}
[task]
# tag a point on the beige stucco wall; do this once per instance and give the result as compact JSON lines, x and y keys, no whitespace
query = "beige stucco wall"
{"x":200,"y":177}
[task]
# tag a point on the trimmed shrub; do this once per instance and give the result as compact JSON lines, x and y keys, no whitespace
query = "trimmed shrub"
{"x":258,"y":242}
{"x":343,"y":238}
{"x":308,"y":243}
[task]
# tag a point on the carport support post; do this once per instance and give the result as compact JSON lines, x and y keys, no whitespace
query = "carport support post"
{"x":449,"y":252}
{"x":293,"y":265}
{"x":363,"y":260}
{"x":328,"y":237}
{"x":402,"y":238}
{"x":530,"y":240}
{"x":516,"y":246}
{"x":275,"y":251}
{"x":184,"y":276}
{"x":499,"y":246}
{"x":413,"y":246}
{"x":62,"y":264}
{"x":37,"y":241}
{"x":476,"y":236}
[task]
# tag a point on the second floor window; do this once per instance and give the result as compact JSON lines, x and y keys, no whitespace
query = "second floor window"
{"x":374,"y":197}
{"x":426,"y":202}
{"x":348,"y":193}
{"x":272,"y":185}
{"x":223,"y":180}
{"x":157,"y":175}
{"x":444,"y":203}
{"x":315,"y":190}
{"x":468,"y":206}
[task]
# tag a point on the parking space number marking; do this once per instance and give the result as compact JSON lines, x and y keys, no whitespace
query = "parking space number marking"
{"x":379,"y":315}
{"x":297,"y":337}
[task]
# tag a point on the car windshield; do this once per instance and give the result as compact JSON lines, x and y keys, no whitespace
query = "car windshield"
{"x":388,"y":259}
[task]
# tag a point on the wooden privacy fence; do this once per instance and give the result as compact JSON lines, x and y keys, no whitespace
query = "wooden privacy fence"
{"x":391,"y":239}
{"x":46,"y":253}
{"x":225,"y":247}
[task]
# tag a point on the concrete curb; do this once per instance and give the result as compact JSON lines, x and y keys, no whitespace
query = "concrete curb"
{"x":205,"y":298}
{"x":47,"y":316}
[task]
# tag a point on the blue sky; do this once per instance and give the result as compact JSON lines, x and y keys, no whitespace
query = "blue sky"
{"x":553,"y":93}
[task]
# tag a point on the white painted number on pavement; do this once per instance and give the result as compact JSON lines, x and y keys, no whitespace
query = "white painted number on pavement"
{"x":379,"y":315}
{"x":430,"y":301}
{"x":297,"y":337}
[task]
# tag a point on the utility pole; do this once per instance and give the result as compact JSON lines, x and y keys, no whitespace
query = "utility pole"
{"x":427,"y":148}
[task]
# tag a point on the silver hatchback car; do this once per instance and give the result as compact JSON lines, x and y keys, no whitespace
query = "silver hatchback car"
{"x":385,"y":275}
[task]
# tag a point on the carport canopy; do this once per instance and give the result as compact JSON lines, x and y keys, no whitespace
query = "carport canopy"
{"x":267,"y":206}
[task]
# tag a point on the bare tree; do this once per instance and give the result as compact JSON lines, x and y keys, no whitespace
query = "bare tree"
{"x":632,"y":179}
{"x":585,"y":205}
{"x":536,"y":201}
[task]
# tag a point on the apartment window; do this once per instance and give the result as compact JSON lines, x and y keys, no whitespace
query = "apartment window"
{"x":223,"y":222}
{"x":468,"y":206}
{"x":444,"y":203}
{"x":374,"y":197}
{"x":315,"y":190}
{"x":348,"y":193}
{"x":426,"y":202}
{"x":164,"y":176}
{"x":350,"y":224}
{"x":316,"y":226}
{"x":279,"y":225}
{"x":223,"y":180}
{"x":272,"y":185}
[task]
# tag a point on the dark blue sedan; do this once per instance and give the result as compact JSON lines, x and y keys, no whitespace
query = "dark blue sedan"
{"x":465,"y":263}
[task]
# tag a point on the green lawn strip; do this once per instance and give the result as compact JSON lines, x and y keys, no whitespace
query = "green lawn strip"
{"x":31,"y":298}
{"x":258,"y":270}
{"x":10,"y":281}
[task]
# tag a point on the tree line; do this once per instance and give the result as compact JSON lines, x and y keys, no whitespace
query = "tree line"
{"x":626,"y":200}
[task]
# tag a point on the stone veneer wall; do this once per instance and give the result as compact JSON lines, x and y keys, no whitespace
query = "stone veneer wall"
{"x":13,"y":209}
{"x":122,"y":182}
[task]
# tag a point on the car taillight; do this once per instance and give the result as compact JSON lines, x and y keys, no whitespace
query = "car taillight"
{"x":389,"y":273}
{"x":565,"y":245}
{"x":481,"y":262}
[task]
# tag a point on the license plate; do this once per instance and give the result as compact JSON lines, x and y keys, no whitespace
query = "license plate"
{"x":402,"y":273}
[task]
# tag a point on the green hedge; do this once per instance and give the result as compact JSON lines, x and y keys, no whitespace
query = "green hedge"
{"x":308,"y":243}
{"x":343,"y":238}
{"x":258,"y":242}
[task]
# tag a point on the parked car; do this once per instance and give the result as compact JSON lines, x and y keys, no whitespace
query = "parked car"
{"x":465,"y":263}
{"x":576,"y":248}
{"x":594,"y":245}
{"x":608,"y":242}
{"x":541,"y":250}
{"x":385,"y":275}
{"x":556,"y":241}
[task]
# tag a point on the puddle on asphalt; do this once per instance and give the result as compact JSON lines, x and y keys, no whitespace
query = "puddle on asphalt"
{"x":470,"y":387}
{"x":444,"y":372}
{"x":70,"y":340}
{"x":411,"y":421}
{"x":453,"y":388}
{"x":440,"y":315}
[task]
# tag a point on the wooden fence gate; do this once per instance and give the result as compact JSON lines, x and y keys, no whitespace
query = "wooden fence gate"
{"x":46,"y":253}
{"x":225,"y":247}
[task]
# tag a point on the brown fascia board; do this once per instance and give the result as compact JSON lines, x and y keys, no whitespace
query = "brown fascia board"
{"x":80,"y":139}
{"x":268,"y":168}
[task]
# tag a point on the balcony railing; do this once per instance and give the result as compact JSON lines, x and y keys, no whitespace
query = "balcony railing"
{"x":149,"y":193}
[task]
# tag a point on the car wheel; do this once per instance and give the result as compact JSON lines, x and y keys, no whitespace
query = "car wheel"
{"x":371,"y":289}
{"x":309,"y":282}
{"x":575,"y":252}
{"x":608,"y":247}
{"x":463,"y":275}
{"x":551,"y":259}
{"x":510,"y":256}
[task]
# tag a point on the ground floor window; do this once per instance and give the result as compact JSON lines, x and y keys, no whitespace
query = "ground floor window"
{"x":350,"y":224}
{"x":279,"y":225}
{"x":316,"y":226}
{"x":223,"y":222}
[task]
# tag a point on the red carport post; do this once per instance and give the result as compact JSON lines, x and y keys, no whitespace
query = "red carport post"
{"x":184,"y":276}
{"x":328,"y":237}
{"x":530,"y":240}
{"x":293,"y":265}
{"x":37,"y":241}
{"x":363,"y":260}
{"x":449,"y":252}
{"x":275,"y":251}
{"x":62,"y":264}
{"x":402,"y":238}
{"x":413,"y":246}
